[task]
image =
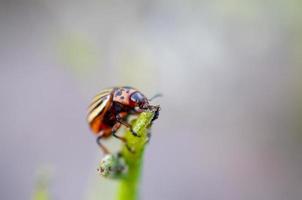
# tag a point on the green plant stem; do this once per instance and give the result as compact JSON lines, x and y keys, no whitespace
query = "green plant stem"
{"x":128,"y":187}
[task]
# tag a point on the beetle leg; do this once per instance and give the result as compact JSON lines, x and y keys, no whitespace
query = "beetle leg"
{"x":119,"y":119}
{"x":124,"y":140}
{"x":119,"y":137}
{"x":156,"y":110}
{"x":98,"y":141}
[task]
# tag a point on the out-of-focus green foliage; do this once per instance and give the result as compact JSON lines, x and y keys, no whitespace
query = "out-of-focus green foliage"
{"x":78,"y":53}
{"x":41,"y":191}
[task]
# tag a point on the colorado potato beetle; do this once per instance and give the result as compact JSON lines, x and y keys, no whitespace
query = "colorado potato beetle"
{"x":110,"y":109}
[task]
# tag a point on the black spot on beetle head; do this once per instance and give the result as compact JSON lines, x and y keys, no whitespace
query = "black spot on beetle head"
{"x":118,"y":93}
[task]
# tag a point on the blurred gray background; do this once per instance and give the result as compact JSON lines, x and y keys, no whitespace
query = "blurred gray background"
{"x":230,"y":72}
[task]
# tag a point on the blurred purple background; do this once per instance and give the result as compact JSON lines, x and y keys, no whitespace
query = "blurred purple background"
{"x":230,"y":71}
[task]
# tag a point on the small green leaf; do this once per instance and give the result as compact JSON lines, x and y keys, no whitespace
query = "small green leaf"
{"x":112,"y":166}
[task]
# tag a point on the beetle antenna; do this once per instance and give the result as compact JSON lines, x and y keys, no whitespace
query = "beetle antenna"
{"x":155,"y":96}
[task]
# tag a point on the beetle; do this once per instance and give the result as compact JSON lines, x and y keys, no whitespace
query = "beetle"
{"x":110,"y":109}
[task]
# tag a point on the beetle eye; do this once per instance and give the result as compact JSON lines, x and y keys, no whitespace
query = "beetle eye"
{"x":137,"y":97}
